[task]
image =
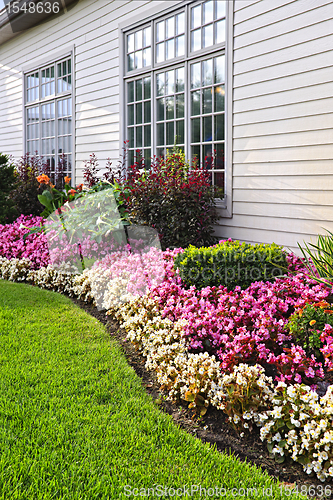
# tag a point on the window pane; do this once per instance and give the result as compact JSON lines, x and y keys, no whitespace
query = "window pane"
{"x":138,"y":59}
{"x":147,"y":87}
{"x":219,"y":71}
{"x":170,"y":108}
{"x":195,"y":130}
{"x":195,"y":75}
{"x":196,"y":40}
{"x":219,"y":98}
{"x":208,"y":8}
{"x":170,"y":49}
{"x":219,"y":155}
{"x":130,"y":92}
{"x":147,"y":112}
{"x":220,"y":8}
{"x":180,"y":132}
{"x":160,"y":84}
{"x":147,"y":133}
{"x":180,"y":24}
{"x":138,"y":113}
{"x":180,"y":80}
{"x":207,"y":129}
{"x":180,"y":46}
{"x":195,"y":103}
{"x":208,"y":36}
{"x":160,"y":31}
{"x":196,"y":16}
{"x":160,"y":134}
{"x":130,"y":114}
{"x":138,"y":137}
{"x":169,"y":82}
{"x":170,"y":27}
{"x":207,"y":101}
{"x":147,"y":57}
{"x":130,"y":62}
{"x":147,"y":37}
{"x":170,"y":134}
{"x":220,"y":32}
{"x":180,"y":106}
{"x":138,"y":40}
{"x":207,"y":72}
{"x":160,"y":109}
{"x":130,"y":136}
{"x":160,"y":52}
{"x":138,"y":90}
{"x":219,"y":127}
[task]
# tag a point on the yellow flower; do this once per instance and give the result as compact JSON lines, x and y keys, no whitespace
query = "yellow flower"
{"x":313,"y":322}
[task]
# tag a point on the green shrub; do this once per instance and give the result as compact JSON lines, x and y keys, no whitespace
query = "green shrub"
{"x":231,"y":264}
{"x":8,"y":212}
{"x":25,"y":194}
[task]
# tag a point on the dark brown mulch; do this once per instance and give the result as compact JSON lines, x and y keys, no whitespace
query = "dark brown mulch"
{"x":219,"y":432}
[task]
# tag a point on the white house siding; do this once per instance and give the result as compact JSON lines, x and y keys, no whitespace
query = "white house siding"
{"x":92,"y":28}
{"x":282,"y":121}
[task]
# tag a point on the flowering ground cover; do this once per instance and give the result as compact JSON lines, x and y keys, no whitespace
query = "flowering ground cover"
{"x":236,"y":350}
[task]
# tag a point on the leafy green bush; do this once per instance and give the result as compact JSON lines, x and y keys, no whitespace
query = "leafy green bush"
{"x":230,"y":263}
{"x":7,"y":183}
{"x":25,"y":194}
{"x":174,"y":198}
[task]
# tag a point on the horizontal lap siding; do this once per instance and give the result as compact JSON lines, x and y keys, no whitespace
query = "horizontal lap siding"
{"x":92,"y":26}
{"x":282,"y":121}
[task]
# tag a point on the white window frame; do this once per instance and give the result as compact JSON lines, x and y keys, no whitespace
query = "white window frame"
{"x":150,"y":16}
{"x":38,"y":65}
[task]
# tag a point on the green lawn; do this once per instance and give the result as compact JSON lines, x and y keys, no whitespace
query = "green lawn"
{"x":75,"y":422}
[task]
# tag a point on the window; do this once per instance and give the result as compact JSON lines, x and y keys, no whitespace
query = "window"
{"x":48,"y":110}
{"x":175,"y":86}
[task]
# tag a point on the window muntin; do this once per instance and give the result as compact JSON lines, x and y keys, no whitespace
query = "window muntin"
{"x":139,"y":49}
{"x":208,"y":114}
{"x":207,"y":24}
{"x":139,"y":118}
{"x":187,"y":87}
{"x":170,"y":112}
{"x":170,"y":38}
{"x":49,"y":118}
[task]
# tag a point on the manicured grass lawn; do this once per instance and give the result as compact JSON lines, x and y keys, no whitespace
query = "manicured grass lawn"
{"x":75,"y":422}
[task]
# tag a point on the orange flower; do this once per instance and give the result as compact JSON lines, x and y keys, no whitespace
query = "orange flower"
{"x":322,"y":304}
{"x":67,"y":180}
{"x":328,"y":311}
{"x":43,"y":179}
{"x":71,"y":191}
{"x":79,"y":187}
{"x":52,"y":185}
{"x":313,"y":322}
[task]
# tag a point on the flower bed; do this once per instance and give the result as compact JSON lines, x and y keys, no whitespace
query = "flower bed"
{"x":217,"y":347}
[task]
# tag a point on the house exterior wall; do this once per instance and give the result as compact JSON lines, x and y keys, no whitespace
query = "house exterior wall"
{"x":282,"y":121}
{"x":91,"y":31}
{"x":282,"y":118}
